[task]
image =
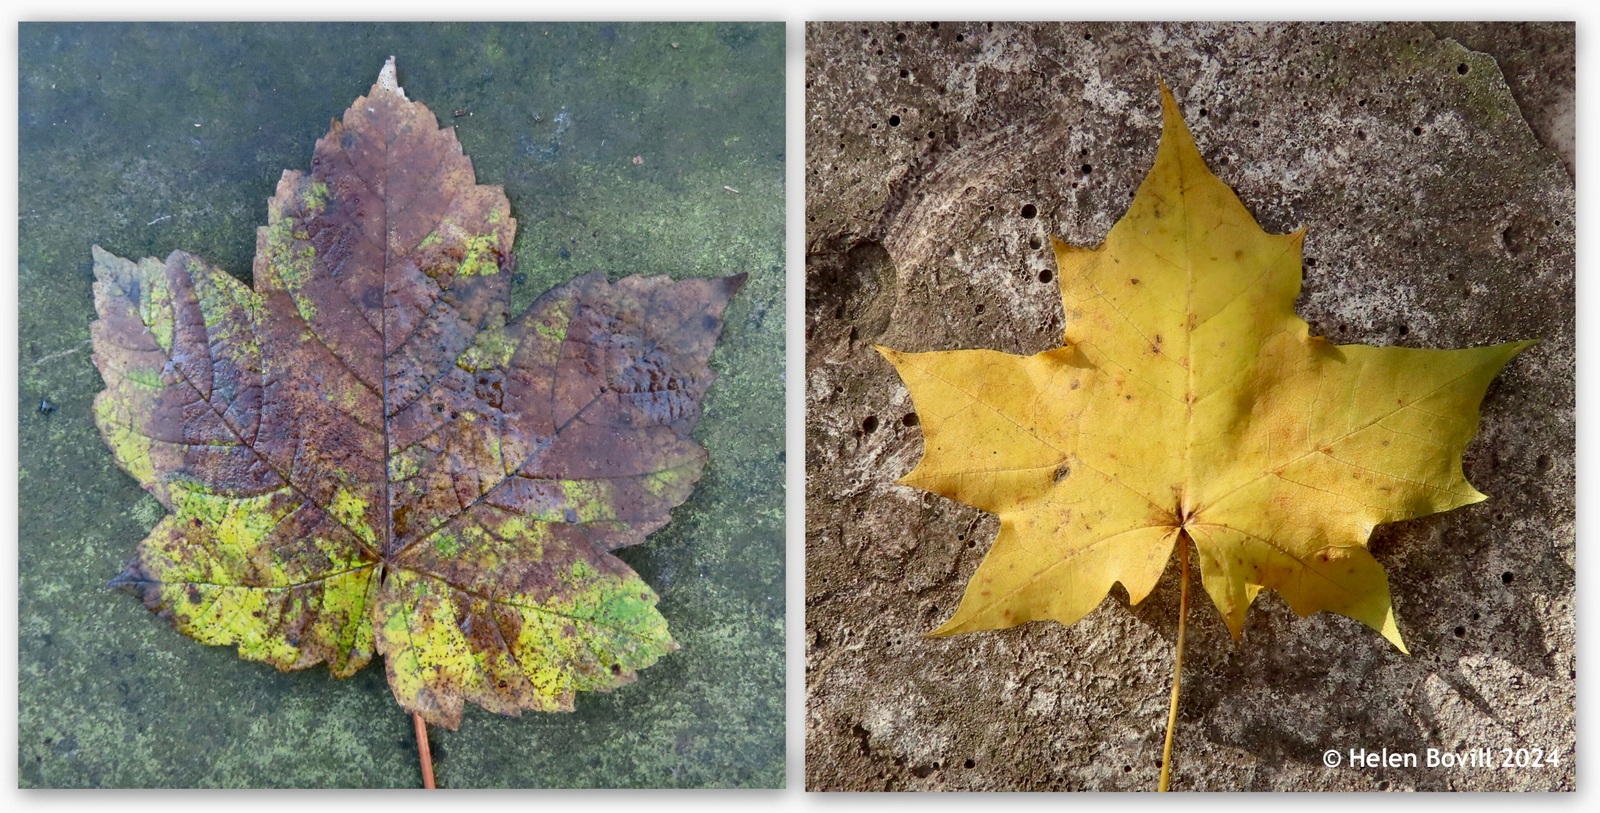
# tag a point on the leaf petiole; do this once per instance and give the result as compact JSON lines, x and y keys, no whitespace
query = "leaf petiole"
{"x":1177,"y":663}
{"x":423,"y":752}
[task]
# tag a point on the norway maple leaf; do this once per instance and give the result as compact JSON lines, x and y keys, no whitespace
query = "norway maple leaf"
{"x":1190,"y":402}
{"x":362,"y":455}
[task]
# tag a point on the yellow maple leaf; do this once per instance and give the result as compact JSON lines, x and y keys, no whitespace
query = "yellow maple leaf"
{"x":1190,"y":402}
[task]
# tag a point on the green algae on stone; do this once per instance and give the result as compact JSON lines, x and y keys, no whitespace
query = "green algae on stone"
{"x":101,"y":158}
{"x":363,"y":455}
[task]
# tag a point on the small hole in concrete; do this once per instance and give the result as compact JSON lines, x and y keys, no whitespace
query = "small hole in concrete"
{"x":901,"y":37}
{"x":1029,"y":211}
{"x":1416,"y":131}
{"x":911,"y":419}
{"x":1462,"y":69}
{"x":969,"y":763}
{"x":961,"y":38}
{"x":1461,"y":632}
{"x":1087,"y":169}
{"x":870,"y":424}
{"x":894,"y":121}
{"x":1507,"y":577}
{"x":1404,"y":330}
{"x":1045,"y":275}
{"x":1033,"y":242}
{"x":904,"y":73}
{"x":1545,"y":463}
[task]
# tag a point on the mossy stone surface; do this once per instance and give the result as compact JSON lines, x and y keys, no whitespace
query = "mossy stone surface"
{"x":617,"y":146}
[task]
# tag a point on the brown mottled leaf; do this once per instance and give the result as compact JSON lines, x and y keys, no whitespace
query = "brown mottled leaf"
{"x":363,"y":455}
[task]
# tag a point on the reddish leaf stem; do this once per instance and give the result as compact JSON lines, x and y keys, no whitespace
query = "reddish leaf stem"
{"x":1177,"y":664}
{"x":422,"y":750}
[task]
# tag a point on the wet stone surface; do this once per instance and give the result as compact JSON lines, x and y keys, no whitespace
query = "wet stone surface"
{"x":1435,"y":183}
{"x":144,"y":139}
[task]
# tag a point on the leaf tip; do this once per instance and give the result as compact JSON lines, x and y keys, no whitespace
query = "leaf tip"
{"x":1235,"y":627}
{"x":130,"y":579}
{"x":1391,"y":632}
{"x":1169,"y":104}
{"x":387,"y":81}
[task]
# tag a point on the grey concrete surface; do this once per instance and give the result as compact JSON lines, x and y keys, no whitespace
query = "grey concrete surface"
{"x":1434,"y":175}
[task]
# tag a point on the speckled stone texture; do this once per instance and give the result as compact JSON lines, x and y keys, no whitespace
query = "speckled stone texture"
{"x":1435,"y":181}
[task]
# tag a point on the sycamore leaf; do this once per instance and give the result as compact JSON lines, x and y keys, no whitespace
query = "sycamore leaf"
{"x":1190,"y":402}
{"x":362,"y":455}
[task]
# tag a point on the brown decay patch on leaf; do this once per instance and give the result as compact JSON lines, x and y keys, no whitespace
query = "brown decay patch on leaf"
{"x":363,"y":454}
